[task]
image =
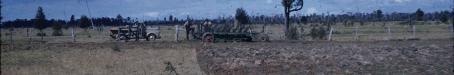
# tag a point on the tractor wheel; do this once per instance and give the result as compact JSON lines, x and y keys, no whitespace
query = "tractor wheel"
{"x":208,"y":38}
{"x":151,"y":36}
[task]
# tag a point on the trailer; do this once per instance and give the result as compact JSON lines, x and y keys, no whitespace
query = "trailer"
{"x":227,"y":33}
{"x":136,"y":32}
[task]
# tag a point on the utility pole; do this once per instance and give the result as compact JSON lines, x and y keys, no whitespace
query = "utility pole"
{"x":89,"y":15}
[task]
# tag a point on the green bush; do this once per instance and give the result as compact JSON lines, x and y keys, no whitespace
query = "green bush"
{"x":318,"y":32}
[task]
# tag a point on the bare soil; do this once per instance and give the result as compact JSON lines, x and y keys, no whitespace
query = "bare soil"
{"x":427,"y":57}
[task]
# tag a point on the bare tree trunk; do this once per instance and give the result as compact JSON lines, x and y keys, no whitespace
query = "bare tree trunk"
{"x":41,"y":34}
{"x":287,"y":23}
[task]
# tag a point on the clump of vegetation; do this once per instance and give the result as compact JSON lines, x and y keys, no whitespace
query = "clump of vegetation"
{"x":57,"y":27}
{"x":85,"y":23}
{"x":293,"y":33}
{"x":115,"y":47}
{"x":40,"y":22}
{"x":318,"y":32}
{"x":170,"y":68}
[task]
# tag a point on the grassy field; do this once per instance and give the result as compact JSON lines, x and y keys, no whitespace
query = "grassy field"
{"x":101,"y":55}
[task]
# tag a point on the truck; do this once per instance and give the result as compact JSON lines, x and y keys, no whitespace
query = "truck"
{"x":136,"y":32}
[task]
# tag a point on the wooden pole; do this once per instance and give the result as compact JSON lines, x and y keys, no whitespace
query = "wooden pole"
{"x":356,"y":32}
{"x":330,"y":32}
{"x":176,"y":33}
{"x":413,"y":30}
{"x":73,"y":35}
{"x":28,"y":35}
{"x":389,"y":32}
{"x":11,"y":38}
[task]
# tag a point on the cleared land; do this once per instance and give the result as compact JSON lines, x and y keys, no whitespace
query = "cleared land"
{"x":100,"y":55}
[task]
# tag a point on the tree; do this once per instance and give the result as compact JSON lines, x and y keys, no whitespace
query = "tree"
{"x":84,"y":24}
{"x":1,"y":24}
{"x":241,"y":16}
{"x":119,"y":19}
{"x":57,"y":26}
{"x":378,"y":14}
{"x":72,"y":21}
{"x":40,"y":22}
{"x":73,"y":24}
{"x":1,"y":18}
{"x":170,"y":18}
{"x":290,"y":6}
{"x":419,"y":15}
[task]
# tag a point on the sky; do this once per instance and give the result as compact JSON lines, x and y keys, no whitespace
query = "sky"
{"x":158,"y":9}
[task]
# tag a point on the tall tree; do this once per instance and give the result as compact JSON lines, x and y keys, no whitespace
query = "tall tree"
{"x":119,"y":20}
{"x":452,"y":20}
{"x":290,"y":6}
{"x":40,"y":22}
{"x":57,"y":27}
{"x":1,"y":18}
{"x":170,"y":18}
{"x":378,"y":14}
{"x":419,"y":15}
{"x":72,"y":23}
{"x":241,"y":16}
{"x":84,"y":24}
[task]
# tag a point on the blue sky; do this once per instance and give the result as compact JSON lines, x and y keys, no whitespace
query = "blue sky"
{"x":157,"y":9}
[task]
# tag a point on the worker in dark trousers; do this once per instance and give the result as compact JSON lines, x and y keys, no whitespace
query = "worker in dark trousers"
{"x":189,"y":29}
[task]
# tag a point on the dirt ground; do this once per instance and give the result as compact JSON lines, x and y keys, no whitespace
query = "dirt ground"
{"x":428,"y":57}
{"x":232,"y":58}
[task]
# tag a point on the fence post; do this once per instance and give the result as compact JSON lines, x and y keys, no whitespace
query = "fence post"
{"x":176,"y":33}
{"x":28,"y":35}
{"x":11,"y":38}
{"x":356,"y":32}
{"x":330,"y":33}
{"x":414,"y":30}
{"x":389,"y":32}
{"x":73,"y":35}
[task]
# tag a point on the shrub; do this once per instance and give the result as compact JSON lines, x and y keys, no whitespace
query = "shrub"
{"x":318,"y":32}
{"x":293,"y":33}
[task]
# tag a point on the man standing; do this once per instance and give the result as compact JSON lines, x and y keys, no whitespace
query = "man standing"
{"x":189,"y":29}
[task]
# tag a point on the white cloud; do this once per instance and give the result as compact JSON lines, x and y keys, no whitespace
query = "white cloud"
{"x":269,"y":1}
{"x":311,"y":10}
{"x":401,"y":1}
{"x":152,"y":14}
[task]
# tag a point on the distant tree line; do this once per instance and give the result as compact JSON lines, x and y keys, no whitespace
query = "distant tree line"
{"x":442,"y":16}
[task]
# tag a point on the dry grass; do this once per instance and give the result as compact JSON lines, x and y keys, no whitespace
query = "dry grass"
{"x":99,"y":59}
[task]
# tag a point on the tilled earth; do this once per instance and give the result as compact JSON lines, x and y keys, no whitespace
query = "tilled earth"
{"x":427,"y":57}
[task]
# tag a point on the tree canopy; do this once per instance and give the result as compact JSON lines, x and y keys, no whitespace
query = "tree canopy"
{"x":84,"y":22}
{"x":419,"y":15}
{"x":40,"y":19}
{"x":241,"y":16}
